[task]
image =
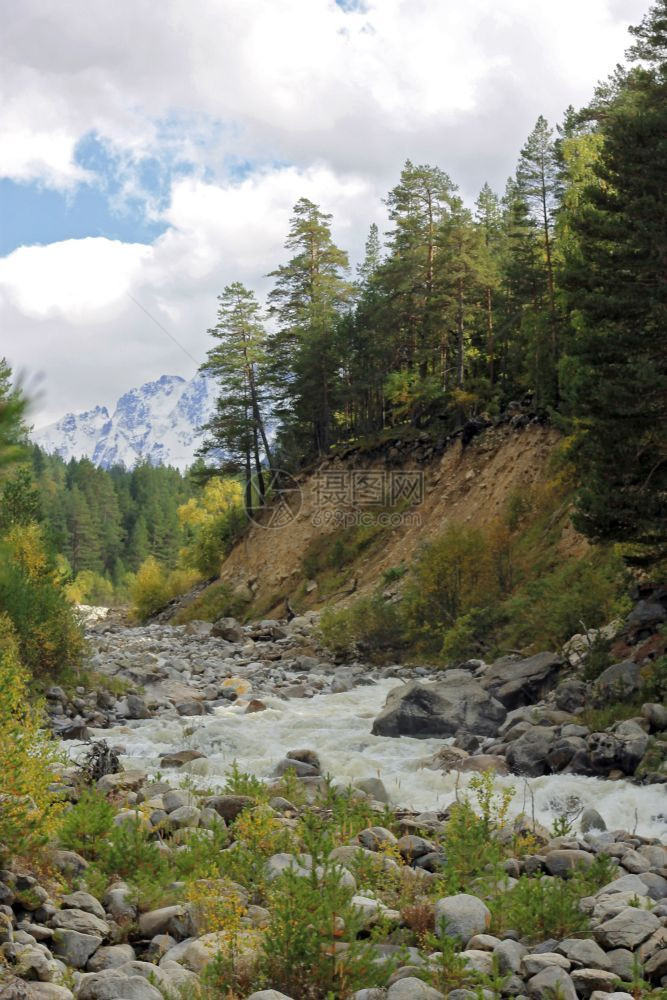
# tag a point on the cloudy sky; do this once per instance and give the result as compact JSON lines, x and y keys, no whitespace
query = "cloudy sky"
{"x":151,"y":153}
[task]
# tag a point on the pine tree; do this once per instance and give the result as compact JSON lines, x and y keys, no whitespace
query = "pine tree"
{"x":417,"y":207}
{"x":488,"y":214}
{"x":615,"y":372}
{"x":238,"y":363}
{"x":311,"y":293}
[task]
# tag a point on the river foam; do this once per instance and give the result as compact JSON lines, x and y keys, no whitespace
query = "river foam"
{"x":338,"y":727}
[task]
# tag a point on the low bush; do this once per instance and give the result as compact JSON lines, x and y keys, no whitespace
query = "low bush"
{"x":29,"y":806}
{"x":370,"y":623}
{"x":217,"y":601}
{"x":154,"y":586}
{"x":85,"y":828}
{"x":32,"y":595}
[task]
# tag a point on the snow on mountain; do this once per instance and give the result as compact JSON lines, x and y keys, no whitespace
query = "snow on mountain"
{"x":158,"y":421}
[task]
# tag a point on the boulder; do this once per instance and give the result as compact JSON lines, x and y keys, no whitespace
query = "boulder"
{"x":627,"y":929}
{"x":463,"y":916}
{"x":440,"y":709}
{"x":522,"y":682}
{"x":552,"y":982}
{"x":229,"y":806}
{"x":617,"y":680}
{"x":586,"y":981}
{"x":412,"y":988}
{"x":74,"y":948}
{"x":100,"y":986}
{"x":228,"y":629}
{"x":564,"y":863}
{"x":81,"y":921}
{"x":528,"y":755}
{"x":111,"y":957}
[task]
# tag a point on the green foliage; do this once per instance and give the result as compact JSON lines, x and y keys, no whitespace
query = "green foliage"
{"x":310,"y":917}
{"x":85,"y":828}
{"x":540,"y":908}
{"x":614,"y":375}
{"x":215,"y":520}
{"x":217,"y":601}
{"x":370,"y":623}
{"x":154,"y":586}
{"x":29,"y":801}
{"x":239,"y":363}
{"x":33,"y":596}
{"x":472,"y":836}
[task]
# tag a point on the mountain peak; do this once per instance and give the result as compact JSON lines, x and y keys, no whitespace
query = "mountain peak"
{"x":158,"y":421}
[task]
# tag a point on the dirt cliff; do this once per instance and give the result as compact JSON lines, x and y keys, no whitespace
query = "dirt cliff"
{"x":458,"y":485}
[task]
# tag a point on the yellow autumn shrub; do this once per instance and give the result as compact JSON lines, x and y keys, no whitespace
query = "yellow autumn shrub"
{"x":29,"y":807}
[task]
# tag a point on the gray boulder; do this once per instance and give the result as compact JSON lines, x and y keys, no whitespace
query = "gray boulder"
{"x":440,"y":709}
{"x":79,"y":920}
{"x":627,"y":929}
{"x":73,"y":947}
{"x":412,"y":988}
{"x":618,"y":679}
{"x":528,"y":755}
{"x":522,"y":682}
{"x":552,"y":982}
{"x":463,"y":916}
{"x":111,"y":987}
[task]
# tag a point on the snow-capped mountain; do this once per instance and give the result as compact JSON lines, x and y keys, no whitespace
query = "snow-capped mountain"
{"x":159,"y":421}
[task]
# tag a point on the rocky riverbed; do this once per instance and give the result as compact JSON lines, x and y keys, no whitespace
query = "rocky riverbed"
{"x":557,"y":889}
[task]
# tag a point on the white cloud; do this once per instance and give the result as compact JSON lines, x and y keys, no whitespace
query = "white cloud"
{"x":82,"y":281}
{"x":65,"y":307}
{"x":319,"y":102}
{"x":297,"y":80}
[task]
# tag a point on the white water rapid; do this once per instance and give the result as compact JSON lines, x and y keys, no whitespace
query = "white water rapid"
{"x":338,"y":727}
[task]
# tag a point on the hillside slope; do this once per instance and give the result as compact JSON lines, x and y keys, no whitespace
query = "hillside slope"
{"x":469,"y":485}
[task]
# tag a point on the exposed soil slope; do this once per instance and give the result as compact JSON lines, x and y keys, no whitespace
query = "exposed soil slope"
{"x":468,"y":485}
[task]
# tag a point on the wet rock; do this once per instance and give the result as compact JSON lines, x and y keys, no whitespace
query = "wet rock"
{"x":522,"y":682}
{"x":255,"y":705}
{"x":439,"y":709}
{"x":528,"y":754}
{"x":180,"y":757}
{"x":591,"y":820}
{"x":481,"y":763}
{"x":191,"y":708}
{"x":373,"y":787}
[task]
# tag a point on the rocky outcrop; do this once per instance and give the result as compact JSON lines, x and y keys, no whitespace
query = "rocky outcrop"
{"x":440,"y":709}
